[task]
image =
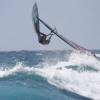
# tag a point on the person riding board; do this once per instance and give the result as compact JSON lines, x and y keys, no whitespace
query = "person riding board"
{"x":44,"y":39}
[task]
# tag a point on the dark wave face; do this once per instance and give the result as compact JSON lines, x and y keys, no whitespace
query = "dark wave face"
{"x":49,"y":75}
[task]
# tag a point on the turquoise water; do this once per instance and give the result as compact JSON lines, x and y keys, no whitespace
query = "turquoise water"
{"x":48,"y":75}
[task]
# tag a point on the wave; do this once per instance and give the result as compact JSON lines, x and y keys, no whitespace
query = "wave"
{"x":63,"y":74}
{"x":19,"y":67}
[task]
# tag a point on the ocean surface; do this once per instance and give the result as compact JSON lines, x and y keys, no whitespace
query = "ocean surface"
{"x":49,"y":75}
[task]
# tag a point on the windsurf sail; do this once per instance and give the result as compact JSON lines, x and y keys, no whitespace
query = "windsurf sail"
{"x":43,"y":38}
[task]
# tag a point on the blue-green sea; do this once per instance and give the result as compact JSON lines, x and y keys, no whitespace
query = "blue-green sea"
{"x":49,"y":75}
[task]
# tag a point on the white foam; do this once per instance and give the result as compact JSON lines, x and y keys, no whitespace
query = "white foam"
{"x":84,"y":59}
{"x":83,"y":83}
{"x":19,"y":67}
{"x":98,"y":55}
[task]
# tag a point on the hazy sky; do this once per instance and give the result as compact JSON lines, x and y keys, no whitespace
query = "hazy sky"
{"x":78,"y":20}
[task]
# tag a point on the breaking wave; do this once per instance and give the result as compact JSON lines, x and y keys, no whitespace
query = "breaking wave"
{"x":79,"y":74}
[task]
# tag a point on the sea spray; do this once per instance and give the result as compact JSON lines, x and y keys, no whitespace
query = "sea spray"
{"x":86,"y":83}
